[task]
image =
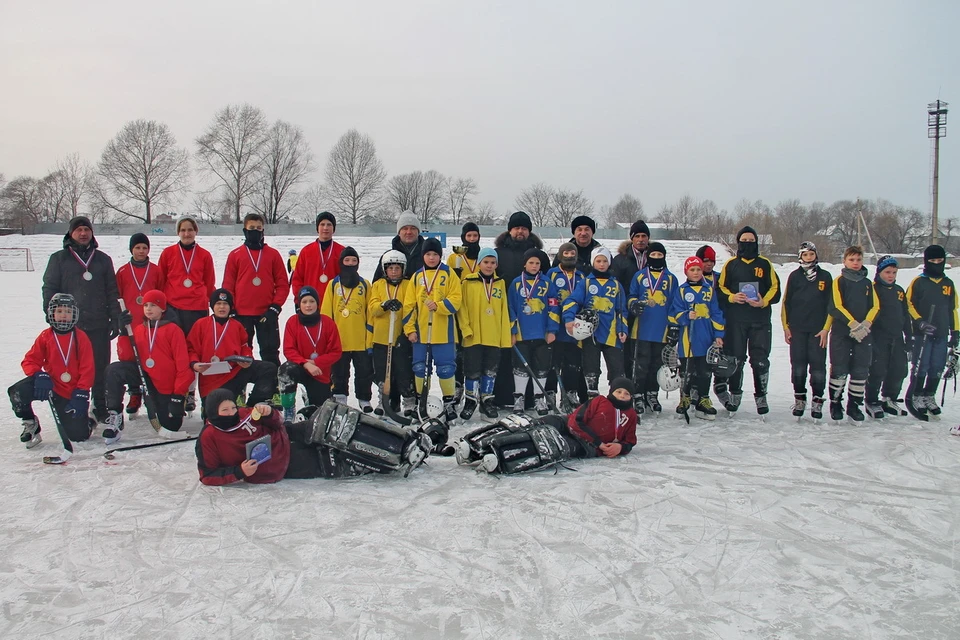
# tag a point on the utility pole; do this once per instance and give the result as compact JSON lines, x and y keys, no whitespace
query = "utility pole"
{"x":936,"y":129}
{"x":859,"y":222}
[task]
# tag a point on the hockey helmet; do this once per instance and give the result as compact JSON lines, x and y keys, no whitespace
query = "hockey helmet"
{"x":669,"y":378}
{"x":62,"y":302}
{"x":434,"y":407}
{"x":723,"y":365}
{"x":584,"y":324}
{"x":393,"y":257}
{"x":669,"y":356}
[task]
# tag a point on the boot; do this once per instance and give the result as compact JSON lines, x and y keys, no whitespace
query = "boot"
{"x":705,"y":410}
{"x":874,"y":409}
{"x":762,"y":407}
{"x":113,"y":428}
{"x":489,"y":408}
{"x":449,"y":409}
{"x":469,"y":406}
{"x":930,"y":402}
{"x":30,"y":435}
{"x":134,"y":404}
{"x":853,"y":410}
{"x":799,"y":404}
{"x":540,"y":402}
{"x":836,"y":410}
{"x":733,"y":404}
{"x":816,"y":409}
{"x":518,"y":403}
{"x":379,"y":410}
{"x":892,"y":407}
{"x":653,"y":402}
{"x":638,"y":403}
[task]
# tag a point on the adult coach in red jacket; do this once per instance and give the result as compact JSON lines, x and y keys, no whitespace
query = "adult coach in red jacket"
{"x":256,"y":277}
{"x":319,"y":261}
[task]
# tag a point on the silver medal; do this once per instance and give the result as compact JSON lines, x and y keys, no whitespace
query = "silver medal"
{"x":324,"y":278}
{"x":149,"y":363}
{"x":214,"y":359}
{"x":65,"y":377}
{"x":87,"y":276}
{"x":256,"y":282}
{"x":313,"y":356}
{"x":527,"y":309}
{"x":188,"y":283}
{"x":139,"y":299}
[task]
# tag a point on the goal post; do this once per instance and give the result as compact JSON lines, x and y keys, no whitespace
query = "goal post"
{"x":15,"y":259}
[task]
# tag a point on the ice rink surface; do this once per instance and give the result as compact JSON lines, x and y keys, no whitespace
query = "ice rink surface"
{"x":730,"y":529}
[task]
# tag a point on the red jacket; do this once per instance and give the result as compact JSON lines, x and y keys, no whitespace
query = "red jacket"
{"x":233,"y":342}
{"x":171,"y":373}
{"x":173,"y":273}
{"x":44,"y":356}
{"x":311,"y":265}
{"x":127,"y":277}
{"x":219,"y":453}
{"x":298,"y":346}
{"x":238,"y":275}
{"x":604,"y":422}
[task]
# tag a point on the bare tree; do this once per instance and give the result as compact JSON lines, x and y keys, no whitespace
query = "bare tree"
{"x":422,"y":192}
{"x":355,"y":175}
{"x":232,"y":149}
{"x":627,"y":210}
{"x":142,"y":165}
{"x":461,"y":192}
{"x":403,"y":190}
{"x":73,"y":180}
{"x":683,"y":218}
{"x":567,"y":205}
{"x":22,"y":203}
{"x":286,"y":162}
{"x":486,"y":213}
{"x":537,"y":201}
{"x":315,"y":199}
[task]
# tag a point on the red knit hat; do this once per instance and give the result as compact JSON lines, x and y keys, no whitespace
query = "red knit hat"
{"x":156,"y":297}
{"x":706,"y":252}
{"x":692,"y":261}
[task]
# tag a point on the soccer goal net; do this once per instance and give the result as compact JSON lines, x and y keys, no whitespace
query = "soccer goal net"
{"x":15,"y":259}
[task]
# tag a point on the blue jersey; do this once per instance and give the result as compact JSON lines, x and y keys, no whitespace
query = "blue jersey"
{"x":696,"y":335}
{"x":656,"y":290}
{"x":563,"y":284}
{"x":533,"y":307}
{"x":606,"y":297}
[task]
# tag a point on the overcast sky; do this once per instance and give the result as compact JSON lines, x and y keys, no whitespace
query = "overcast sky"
{"x":722,"y":100}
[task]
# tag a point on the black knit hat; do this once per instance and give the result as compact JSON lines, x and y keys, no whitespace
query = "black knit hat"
{"x":639,"y":227}
{"x":748,"y":229}
{"x":622,"y":383}
{"x":326,"y":215}
{"x":139,"y":238}
{"x":214,"y":399}
{"x":656,"y":246}
{"x":431,"y":244}
{"x":221,"y":295}
{"x":80,"y":221}
{"x":467,"y":228}
{"x":533,"y":252}
{"x":933,"y":252}
{"x":307,"y":291}
{"x":347,"y":252}
{"x":579,"y":221}
{"x":519,"y":219}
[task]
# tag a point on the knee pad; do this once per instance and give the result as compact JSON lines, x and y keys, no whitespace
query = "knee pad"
{"x":446,"y":370}
{"x":420,"y":369}
{"x":534,"y":447}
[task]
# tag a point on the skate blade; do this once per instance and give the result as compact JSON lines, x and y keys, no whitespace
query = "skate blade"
{"x":33,"y":442}
{"x":933,"y":417}
{"x":54,"y":460}
{"x":856,"y":423}
{"x":704,"y":416}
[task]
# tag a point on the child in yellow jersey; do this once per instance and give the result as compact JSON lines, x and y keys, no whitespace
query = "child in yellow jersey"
{"x":430,"y":303}
{"x":464,"y":261}
{"x":345,"y":301}
{"x":384,"y":309}
{"x":485,"y":325}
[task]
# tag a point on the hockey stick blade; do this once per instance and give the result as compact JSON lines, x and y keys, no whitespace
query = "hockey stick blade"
{"x":109,"y":455}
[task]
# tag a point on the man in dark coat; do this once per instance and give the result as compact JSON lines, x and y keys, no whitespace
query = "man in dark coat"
{"x":513,"y":243}
{"x":409,"y":241}
{"x":631,"y":255}
{"x":582,"y":228}
{"x":88,"y":275}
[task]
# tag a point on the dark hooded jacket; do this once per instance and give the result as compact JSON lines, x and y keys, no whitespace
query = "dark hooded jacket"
{"x":624,"y":266}
{"x":584,"y":265}
{"x":96,"y":298}
{"x":510,"y":254}
{"x":414,"y":257}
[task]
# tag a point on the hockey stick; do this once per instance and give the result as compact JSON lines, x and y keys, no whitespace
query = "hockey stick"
{"x":636,"y":351}
{"x":109,"y":454}
{"x":428,"y":370}
{"x":67,"y":446}
{"x":686,"y":370}
{"x":385,"y":395}
{"x":148,"y":401}
{"x":915,"y":366}
{"x":536,"y":381}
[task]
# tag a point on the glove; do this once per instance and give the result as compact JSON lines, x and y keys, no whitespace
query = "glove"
{"x":954,"y":339}
{"x":79,"y":402}
{"x":272,"y":313}
{"x":124,"y":319}
{"x":392,"y":305}
{"x":926,"y":328}
{"x":42,"y":385}
{"x":861,"y":331}
{"x":673,"y":335}
{"x":116,"y":329}
{"x":636,"y":307}
{"x":175,"y":407}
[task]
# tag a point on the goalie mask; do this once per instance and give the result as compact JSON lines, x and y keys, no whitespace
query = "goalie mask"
{"x":62,"y":312}
{"x":723,"y":365}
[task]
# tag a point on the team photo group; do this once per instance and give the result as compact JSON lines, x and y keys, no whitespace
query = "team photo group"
{"x":514,"y":337}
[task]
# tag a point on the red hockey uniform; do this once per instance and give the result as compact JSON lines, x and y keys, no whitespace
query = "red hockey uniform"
{"x":74,"y":357}
{"x":209,"y":339}
{"x":132,"y":283}
{"x":171,"y":373}
{"x":220,"y":453}
{"x":256,"y":278}
{"x":300,"y":342}
{"x":604,"y":422}
{"x":179,"y":266}
{"x":316,"y":268}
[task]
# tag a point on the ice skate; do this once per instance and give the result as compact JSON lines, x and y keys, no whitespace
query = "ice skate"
{"x":732,"y":405}
{"x":933,"y":410}
{"x":874,"y":410}
{"x":133,"y":405}
{"x":892,"y":407}
{"x":340,"y":397}
{"x":684,"y":406}
{"x":762,"y":407}
{"x":366,"y":407}
{"x":518,"y":403}
{"x":705,"y":410}
{"x":489,"y":409}
{"x":836,"y":411}
{"x":816,"y":409}
{"x":540,"y":403}
{"x":799,"y":405}
{"x":450,"y":410}
{"x":469,"y":406}
{"x":408,"y":406}
{"x":167,"y":434}
{"x":955,"y":430}
{"x":30,"y":436}
{"x":653,"y":402}
{"x":113,"y":428}
{"x":854,"y":413}
{"x":190,"y":404}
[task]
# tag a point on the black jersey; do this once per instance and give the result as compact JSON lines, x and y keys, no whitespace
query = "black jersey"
{"x":737,"y":275}
{"x":805,"y":302}
{"x":937,"y":294}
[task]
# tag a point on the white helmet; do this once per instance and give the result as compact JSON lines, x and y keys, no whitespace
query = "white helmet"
{"x":434,"y":407}
{"x":584,"y":325}
{"x":669,"y":378}
{"x":393,"y":257}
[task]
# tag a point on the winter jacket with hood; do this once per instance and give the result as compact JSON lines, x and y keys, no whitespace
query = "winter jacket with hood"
{"x":96,"y":298}
{"x":510,"y":254}
{"x":414,"y":255}
{"x":625,"y":265}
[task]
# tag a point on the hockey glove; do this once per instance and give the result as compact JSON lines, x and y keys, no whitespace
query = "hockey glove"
{"x":862,"y":331}
{"x":637,"y":307}
{"x":42,"y":385}
{"x":79,"y":402}
{"x":926,"y":328}
{"x":673,"y":335}
{"x":125,"y":318}
{"x":392,"y":305}
{"x":954,"y":339}
{"x":175,"y":407}
{"x":116,"y":329}
{"x":271,"y":314}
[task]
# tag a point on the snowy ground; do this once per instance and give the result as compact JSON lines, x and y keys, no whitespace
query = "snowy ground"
{"x":735,"y":529}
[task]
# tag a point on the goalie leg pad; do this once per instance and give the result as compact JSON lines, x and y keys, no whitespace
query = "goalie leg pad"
{"x":364,"y":440}
{"x":476,"y":444}
{"x":535,"y":447}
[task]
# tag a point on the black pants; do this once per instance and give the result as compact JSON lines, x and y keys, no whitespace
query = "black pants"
{"x":648,"y":363}
{"x":362,"y":374}
{"x":268,"y":336}
{"x":539,"y":356}
{"x":503,"y":388}
{"x":739,"y":340}
{"x":612,"y":356}
{"x":185,"y":319}
{"x":100,"y":341}
{"x":291,"y":375}
{"x":568,"y":364}
{"x":123,"y":375}
{"x":480,"y":360}
{"x":77,"y":427}
{"x":262,"y":375}
{"x":806,"y":353}
{"x":401,"y":371}
{"x":848,"y":358}
{"x":697,"y":376}
{"x":888,"y":367}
